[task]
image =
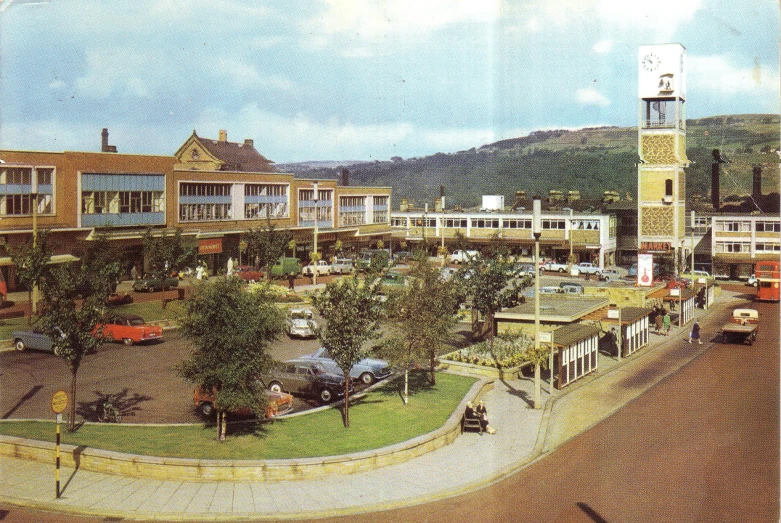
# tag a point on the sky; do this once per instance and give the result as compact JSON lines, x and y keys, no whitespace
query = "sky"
{"x":361,"y":79}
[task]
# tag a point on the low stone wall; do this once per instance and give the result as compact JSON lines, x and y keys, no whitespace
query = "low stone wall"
{"x":483,"y":370}
{"x":241,"y":470}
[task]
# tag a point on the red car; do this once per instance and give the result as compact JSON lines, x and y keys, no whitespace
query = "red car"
{"x":248,"y":273}
{"x":278,"y":403}
{"x":128,"y":329}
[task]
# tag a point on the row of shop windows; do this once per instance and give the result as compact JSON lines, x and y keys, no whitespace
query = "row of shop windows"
{"x":122,"y":202}
{"x":495,"y":223}
{"x":745,"y":226}
{"x":21,"y":204}
{"x":24,"y":175}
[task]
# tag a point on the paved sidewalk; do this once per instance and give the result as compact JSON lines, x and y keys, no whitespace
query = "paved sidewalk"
{"x":472,"y":460}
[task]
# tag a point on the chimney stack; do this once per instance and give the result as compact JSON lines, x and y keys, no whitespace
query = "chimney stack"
{"x":248,"y":142}
{"x":223,"y":136}
{"x":104,"y":146}
{"x":756,"y":186}
{"x":715,"y":197}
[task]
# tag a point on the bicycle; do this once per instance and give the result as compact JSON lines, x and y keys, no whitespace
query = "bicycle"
{"x":108,"y":413}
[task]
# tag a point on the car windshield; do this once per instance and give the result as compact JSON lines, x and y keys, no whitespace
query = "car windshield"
{"x":136,"y":321}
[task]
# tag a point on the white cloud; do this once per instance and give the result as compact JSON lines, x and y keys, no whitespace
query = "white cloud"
{"x":115,"y":70}
{"x":590,"y":96}
{"x":381,"y":19}
{"x":716,"y":73}
{"x":603,"y":46}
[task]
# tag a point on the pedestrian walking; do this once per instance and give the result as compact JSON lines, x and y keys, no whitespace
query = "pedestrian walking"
{"x":291,"y":281}
{"x":695,"y":333}
{"x":659,"y":321}
{"x":666,"y":323}
{"x":134,"y":273}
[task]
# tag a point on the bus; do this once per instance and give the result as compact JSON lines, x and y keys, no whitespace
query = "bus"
{"x":768,"y":278}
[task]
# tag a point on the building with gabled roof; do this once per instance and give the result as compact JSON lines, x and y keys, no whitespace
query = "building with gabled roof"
{"x":204,"y":154}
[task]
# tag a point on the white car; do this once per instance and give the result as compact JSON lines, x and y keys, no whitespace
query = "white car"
{"x":752,"y":280}
{"x":302,"y":324}
{"x":342,"y":266}
{"x":463,"y":256}
{"x":322,"y":267}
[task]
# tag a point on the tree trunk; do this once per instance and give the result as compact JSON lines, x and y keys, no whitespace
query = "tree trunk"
{"x":406,"y":385}
{"x":432,"y":364}
{"x":221,"y":422}
{"x":347,"y":400}
{"x":72,"y":414}
{"x":30,"y":312}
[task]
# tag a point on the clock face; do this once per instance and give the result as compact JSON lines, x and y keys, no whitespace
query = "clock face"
{"x":195,"y":154}
{"x":650,"y":62}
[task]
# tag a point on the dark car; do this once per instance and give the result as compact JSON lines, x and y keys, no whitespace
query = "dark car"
{"x":151,"y":283}
{"x":367,"y":370}
{"x":309,"y":378}
{"x":277,"y":404}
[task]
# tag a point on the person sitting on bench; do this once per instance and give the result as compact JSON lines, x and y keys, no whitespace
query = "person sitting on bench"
{"x":480,"y":413}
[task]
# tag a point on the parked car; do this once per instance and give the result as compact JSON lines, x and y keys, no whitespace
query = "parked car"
{"x":609,"y":275}
{"x":568,"y":287}
{"x":555,"y":267}
{"x":307,"y":377}
{"x":321,"y":267}
{"x":460,"y":256}
{"x":129,"y":329}
{"x":342,"y":266}
{"x":393,"y":280}
{"x":34,"y":339}
{"x":151,"y":283}
{"x":550,"y":289}
{"x":302,"y":324}
{"x":752,"y":280}
{"x":3,"y":288}
{"x":248,"y":273}
{"x":284,"y":266}
{"x":277,"y":403}
{"x":587,"y":268}
{"x":367,"y":370}
{"x":376,"y":259}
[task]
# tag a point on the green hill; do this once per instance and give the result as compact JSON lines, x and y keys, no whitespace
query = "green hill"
{"x":591,"y":160}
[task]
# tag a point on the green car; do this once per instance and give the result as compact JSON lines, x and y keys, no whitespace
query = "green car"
{"x":154,"y":283}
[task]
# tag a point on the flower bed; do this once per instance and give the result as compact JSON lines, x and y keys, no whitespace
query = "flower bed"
{"x":506,"y":359}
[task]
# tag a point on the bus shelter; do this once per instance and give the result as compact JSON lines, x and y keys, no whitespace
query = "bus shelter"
{"x":576,"y":352}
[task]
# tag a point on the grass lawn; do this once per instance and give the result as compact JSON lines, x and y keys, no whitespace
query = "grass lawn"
{"x":377,"y":420}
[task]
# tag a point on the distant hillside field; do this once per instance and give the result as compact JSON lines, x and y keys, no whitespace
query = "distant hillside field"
{"x":591,"y":160}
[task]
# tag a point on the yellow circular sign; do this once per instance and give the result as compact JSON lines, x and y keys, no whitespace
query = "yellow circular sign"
{"x":59,"y":402}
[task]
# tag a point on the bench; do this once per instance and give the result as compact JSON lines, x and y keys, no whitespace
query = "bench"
{"x":471,"y":423}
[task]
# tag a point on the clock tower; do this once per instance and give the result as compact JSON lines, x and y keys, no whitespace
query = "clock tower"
{"x":661,"y":182}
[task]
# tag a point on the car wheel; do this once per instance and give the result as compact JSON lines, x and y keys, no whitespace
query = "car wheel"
{"x":561,"y":270}
{"x":275,"y":387}
{"x":326,"y":396}
{"x":366,"y":378}
{"x":127,"y":341}
{"x":19,"y":345}
{"x":755,"y":284}
{"x":207,"y":408}
{"x":150,"y":289}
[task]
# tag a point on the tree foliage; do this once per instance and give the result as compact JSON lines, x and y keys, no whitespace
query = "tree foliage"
{"x":31,"y":262}
{"x":267,"y":244}
{"x":166,"y":253}
{"x":421,"y":317}
{"x":70,"y":323}
{"x":231,"y":330}
{"x":351,"y":310}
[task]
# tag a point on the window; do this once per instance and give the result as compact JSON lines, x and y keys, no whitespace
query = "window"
{"x":554,"y":224}
{"x":124,"y":202}
{"x":204,"y":212}
{"x":483,"y":223}
{"x":768,"y":247}
{"x":733,"y":226}
{"x":380,"y":201}
{"x":732,"y":247}
{"x":517,"y":224}
{"x":768,"y":227}
{"x":668,"y":187}
{"x":254,"y":189}
{"x":16,"y":188}
{"x":255,"y":211}
{"x":398,"y":222}
{"x":204,"y":189}
{"x":455,"y":223}
{"x":380,"y":216}
{"x":586,"y":225}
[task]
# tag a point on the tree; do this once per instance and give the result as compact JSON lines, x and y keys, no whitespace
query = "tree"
{"x":422,"y":316}
{"x":231,"y":330}
{"x":491,"y":285}
{"x":69,"y":325}
{"x":99,"y":256}
{"x":267,"y":244}
{"x":31,"y":262}
{"x":166,"y":253}
{"x":351,"y":310}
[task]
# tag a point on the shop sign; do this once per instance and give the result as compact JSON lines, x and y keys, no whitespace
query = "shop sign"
{"x":659,"y":247}
{"x":210,"y":246}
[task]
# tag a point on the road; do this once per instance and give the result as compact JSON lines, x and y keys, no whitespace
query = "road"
{"x":703,"y":445}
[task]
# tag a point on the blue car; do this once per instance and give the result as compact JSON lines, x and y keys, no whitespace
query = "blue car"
{"x":34,"y":339}
{"x":367,"y":371}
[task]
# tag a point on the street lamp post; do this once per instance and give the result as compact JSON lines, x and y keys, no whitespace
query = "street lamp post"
{"x":442,"y":231}
{"x":692,"y":245}
{"x":537,"y":232}
{"x":34,"y":202}
{"x":315,"y":265}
